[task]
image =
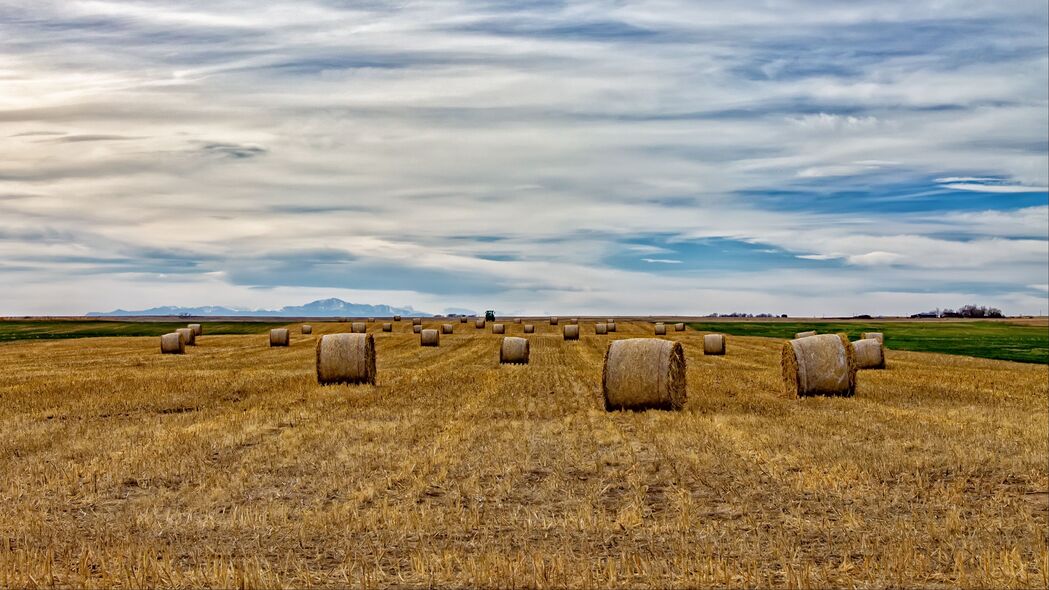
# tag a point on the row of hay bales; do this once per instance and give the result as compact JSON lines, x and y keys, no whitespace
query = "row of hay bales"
{"x":177,"y":341}
{"x":826,"y":364}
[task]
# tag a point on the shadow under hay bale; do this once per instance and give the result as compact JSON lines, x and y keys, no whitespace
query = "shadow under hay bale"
{"x":346,"y":358}
{"x":870,"y":354}
{"x":280,"y":337}
{"x":644,"y":373}
{"x":514,"y":351}
{"x":172,"y":344}
{"x":714,"y":344}
{"x":819,"y":365}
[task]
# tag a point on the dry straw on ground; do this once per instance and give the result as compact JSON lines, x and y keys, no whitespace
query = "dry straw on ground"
{"x":571,"y":331}
{"x":819,"y":365}
{"x":514,"y":351}
{"x":600,"y":328}
{"x":198,"y":330}
{"x":346,"y":358}
{"x":805,"y":334}
{"x":429,"y":337}
{"x":660,"y":329}
{"x":870,"y":354}
{"x":387,"y":327}
{"x":876,"y":335}
{"x":498,"y":329}
{"x":188,"y":337}
{"x":307,"y":329}
{"x":446,"y":328}
{"x":172,"y":344}
{"x":714,"y":344}
{"x":679,"y":327}
{"x":642,"y":373}
{"x":529,"y":329}
{"x":280,"y":337}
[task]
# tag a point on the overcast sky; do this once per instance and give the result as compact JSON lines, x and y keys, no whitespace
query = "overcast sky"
{"x":536,"y":156}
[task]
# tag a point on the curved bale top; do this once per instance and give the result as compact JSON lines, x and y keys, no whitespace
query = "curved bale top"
{"x":679,"y":327}
{"x":529,"y":329}
{"x":714,"y":344}
{"x":514,"y":351}
{"x":498,"y":329}
{"x":643,"y":373}
{"x":172,"y":344}
{"x":387,"y":327}
{"x":600,"y":328}
{"x":280,"y":337}
{"x":553,"y":320}
{"x":610,"y":326}
{"x":819,"y":365}
{"x":346,"y":358}
{"x":875,"y":335}
{"x":479,"y":323}
{"x":417,"y":329}
{"x":661,"y":329}
{"x":805,"y":334}
{"x":188,"y":337}
{"x":446,"y":328}
{"x":306,"y":329}
{"x":870,"y":354}
{"x":198,"y":330}
{"x":358,"y":327}
{"x":571,"y":331}
{"x":429,"y":337}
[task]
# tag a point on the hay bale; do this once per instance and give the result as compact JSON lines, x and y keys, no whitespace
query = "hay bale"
{"x":610,"y":326}
{"x":642,"y":373}
{"x":446,"y":328}
{"x":280,"y":337}
{"x":417,"y":321}
{"x":197,"y":329}
{"x":346,"y":358}
{"x":600,"y":328}
{"x":514,"y":351}
{"x":479,"y":324}
{"x":396,"y":318}
{"x":661,"y":329}
{"x":819,"y":365}
{"x":573,"y":321}
{"x":387,"y":327}
{"x":610,"y":321}
{"x":875,"y":335}
{"x":188,"y":337}
{"x":870,"y":354}
{"x":417,"y":329}
{"x":172,"y":344}
{"x":307,"y":329}
{"x":429,"y":337}
{"x":462,"y":320}
{"x":679,"y":327}
{"x":498,"y":329}
{"x":371,"y":320}
{"x":517,"y":320}
{"x":571,"y":331}
{"x":358,"y":327}
{"x":529,"y":329}
{"x":553,"y":320}
{"x":714,"y":344}
{"x":805,"y":334}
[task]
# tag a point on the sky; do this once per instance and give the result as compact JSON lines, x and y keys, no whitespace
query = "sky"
{"x":652,"y":157}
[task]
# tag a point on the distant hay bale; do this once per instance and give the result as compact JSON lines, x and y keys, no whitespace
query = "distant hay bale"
{"x":358,"y":327}
{"x":610,"y":326}
{"x":387,"y":327}
{"x":529,"y":329}
{"x":307,"y":329}
{"x":679,"y":327}
{"x":188,"y":336}
{"x":805,"y":334}
{"x":197,"y":329}
{"x":417,"y":329}
{"x":661,"y":329}
{"x":642,"y":373}
{"x":446,"y":328}
{"x":346,"y":358}
{"x":870,"y":354}
{"x":172,"y":344}
{"x":498,"y":329}
{"x":875,"y":335}
{"x":573,"y":321}
{"x":600,"y":328}
{"x":371,"y":320}
{"x":479,"y":324}
{"x":396,"y":318}
{"x":429,"y":337}
{"x":610,"y":321}
{"x":280,"y":337}
{"x":462,"y":320}
{"x":819,"y":365}
{"x":714,"y":344}
{"x":517,"y":320}
{"x":417,"y":321}
{"x":553,"y":320}
{"x":571,"y":331}
{"x":514,"y":351}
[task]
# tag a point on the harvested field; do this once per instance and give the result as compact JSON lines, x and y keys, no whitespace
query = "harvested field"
{"x":230,"y":466}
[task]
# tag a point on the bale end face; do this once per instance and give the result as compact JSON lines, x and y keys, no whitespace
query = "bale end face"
{"x":600,"y":328}
{"x":870,"y":354}
{"x":172,"y":344}
{"x":498,"y":329}
{"x":346,"y":358}
{"x":571,"y":332}
{"x":714,"y":344}
{"x":661,"y":329}
{"x":529,"y":329}
{"x":514,"y":351}
{"x":307,"y":329}
{"x":429,"y":338}
{"x":644,"y":373}
{"x":279,"y":337}
{"x":446,"y":328}
{"x":819,"y":365}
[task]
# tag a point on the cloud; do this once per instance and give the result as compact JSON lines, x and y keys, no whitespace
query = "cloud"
{"x":996,"y":188}
{"x":661,"y":261}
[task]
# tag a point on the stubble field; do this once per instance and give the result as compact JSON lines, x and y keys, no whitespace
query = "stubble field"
{"x":230,"y":466}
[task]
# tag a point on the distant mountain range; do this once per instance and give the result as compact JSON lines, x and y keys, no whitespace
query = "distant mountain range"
{"x":321,"y":308}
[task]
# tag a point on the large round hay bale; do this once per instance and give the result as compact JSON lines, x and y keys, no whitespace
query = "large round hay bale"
{"x":498,"y":329}
{"x":610,"y":326}
{"x":679,"y":327}
{"x":661,"y":329}
{"x":875,"y":335}
{"x":396,"y":318}
{"x":280,"y":337}
{"x":429,"y":337}
{"x":529,"y":329}
{"x":553,"y":320}
{"x":188,"y":336}
{"x":417,"y":321}
{"x":514,"y":351}
{"x":197,"y":329}
{"x":819,"y":365}
{"x":358,"y":327}
{"x":571,"y":331}
{"x":446,"y":328}
{"x":479,"y":324}
{"x":172,"y":344}
{"x":346,"y":358}
{"x":417,"y":329}
{"x":307,"y":329}
{"x":870,"y":354}
{"x":714,"y":344}
{"x":600,"y":328}
{"x":644,"y":373}
{"x":387,"y":327}
{"x":805,"y":334}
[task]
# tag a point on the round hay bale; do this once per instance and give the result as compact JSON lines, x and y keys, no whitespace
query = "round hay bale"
{"x":571,"y":331}
{"x":446,"y":328}
{"x":529,"y":329}
{"x":188,"y":336}
{"x":358,"y":327}
{"x":819,"y":365}
{"x":307,"y":329}
{"x":642,"y":373}
{"x":462,"y":320}
{"x":553,"y":320}
{"x":387,"y":327}
{"x":479,"y":324}
{"x":417,"y":321}
{"x":679,"y":327}
{"x":805,"y":334}
{"x":172,"y":344}
{"x":600,"y":328}
{"x":396,"y":318}
{"x":514,"y":351}
{"x":870,"y":354}
{"x":661,"y":329}
{"x":517,"y":320}
{"x":610,"y":321}
{"x":498,"y":329}
{"x":875,"y":335}
{"x":714,"y":344}
{"x":417,"y":329}
{"x":346,"y":358}
{"x":279,"y":337}
{"x":610,"y":326}
{"x":429,"y":337}
{"x":197,"y":329}
{"x":371,"y":320}
{"x":573,"y":321}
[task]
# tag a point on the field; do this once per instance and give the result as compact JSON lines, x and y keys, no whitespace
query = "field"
{"x":61,"y":329}
{"x":229,"y":466}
